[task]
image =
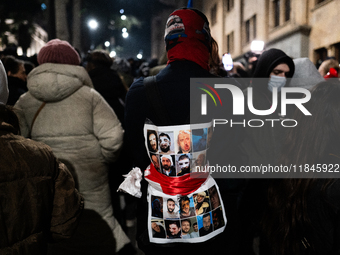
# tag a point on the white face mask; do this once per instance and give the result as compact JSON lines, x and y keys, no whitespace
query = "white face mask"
{"x":183,"y":163}
{"x":276,"y":82}
{"x":164,"y":141}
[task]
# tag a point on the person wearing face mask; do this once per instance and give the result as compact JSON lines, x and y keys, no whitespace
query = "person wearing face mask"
{"x":261,"y":145}
{"x":165,"y":144}
{"x":184,"y":165}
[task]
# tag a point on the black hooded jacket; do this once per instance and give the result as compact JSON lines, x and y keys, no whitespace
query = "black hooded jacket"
{"x":262,"y":145}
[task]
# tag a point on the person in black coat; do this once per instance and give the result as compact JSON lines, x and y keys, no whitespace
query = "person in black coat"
{"x":188,"y":57}
{"x":108,"y":83}
{"x":106,"y":80}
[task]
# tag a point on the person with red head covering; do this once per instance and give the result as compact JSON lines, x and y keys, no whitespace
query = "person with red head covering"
{"x":164,"y":100}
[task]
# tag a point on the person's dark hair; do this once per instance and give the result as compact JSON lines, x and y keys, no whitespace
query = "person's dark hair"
{"x":29,"y":66}
{"x":183,"y":199}
{"x":195,"y":223}
{"x":271,"y":58}
{"x":183,"y":156}
{"x":285,"y":221}
{"x":206,"y":215}
{"x":187,"y":221}
{"x":11,"y":64}
{"x":7,"y":115}
{"x":164,"y":134}
{"x":215,"y":62}
{"x":174,"y":222}
{"x":170,"y":199}
{"x":99,"y":58}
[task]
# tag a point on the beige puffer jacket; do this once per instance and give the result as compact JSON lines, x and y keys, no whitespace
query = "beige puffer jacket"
{"x":79,"y":126}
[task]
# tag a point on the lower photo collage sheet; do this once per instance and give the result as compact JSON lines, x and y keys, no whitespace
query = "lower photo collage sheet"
{"x":193,"y":218}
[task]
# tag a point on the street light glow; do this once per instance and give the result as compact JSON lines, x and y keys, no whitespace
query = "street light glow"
{"x":121,"y":11}
{"x":113,"y":54}
{"x":257,"y":45}
{"x":123,"y":17}
{"x":139,"y":56}
{"x":124,"y":29}
{"x":93,"y":24}
{"x":107,"y":44}
{"x":227,"y":61}
{"x":125,"y":34}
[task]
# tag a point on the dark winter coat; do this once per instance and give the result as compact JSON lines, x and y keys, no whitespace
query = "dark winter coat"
{"x":38,"y":199}
{"x":107,"y":82}
{"x":173,"y":83}
{"x":16,"y":88}
{"x":262,"y":145}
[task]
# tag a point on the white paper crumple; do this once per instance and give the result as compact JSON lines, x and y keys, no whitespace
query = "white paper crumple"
{"x":131,"y":184}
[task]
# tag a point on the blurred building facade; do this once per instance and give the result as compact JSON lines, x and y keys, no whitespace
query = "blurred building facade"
{"x":39,"y":37}
{"x":58,"y":19}
{"x":301,"y":28}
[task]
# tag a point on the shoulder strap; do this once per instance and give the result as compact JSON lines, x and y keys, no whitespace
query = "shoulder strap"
{"x":154,"y":99}
{"x":36,"y":115}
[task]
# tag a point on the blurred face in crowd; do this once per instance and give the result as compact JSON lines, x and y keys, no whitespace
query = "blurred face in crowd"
{"x":196,"y":228}
{"x":21,"y":74}
{"x":281,"y":70}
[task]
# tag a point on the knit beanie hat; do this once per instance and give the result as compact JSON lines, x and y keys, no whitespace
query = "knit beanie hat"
{"x":58,"y":52}
{"x":187,"y":37}
{"x":3,"y":85}
{"x":269,"y":59}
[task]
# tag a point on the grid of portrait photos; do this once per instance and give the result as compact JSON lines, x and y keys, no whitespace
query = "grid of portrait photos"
{"x":178,"y":150}
{"x":193,"y":218}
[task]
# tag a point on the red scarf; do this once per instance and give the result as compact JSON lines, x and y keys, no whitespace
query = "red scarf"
{"x":182,"y":185}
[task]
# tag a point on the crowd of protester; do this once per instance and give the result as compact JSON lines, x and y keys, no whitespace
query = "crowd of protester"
{"x":84,"y":119}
